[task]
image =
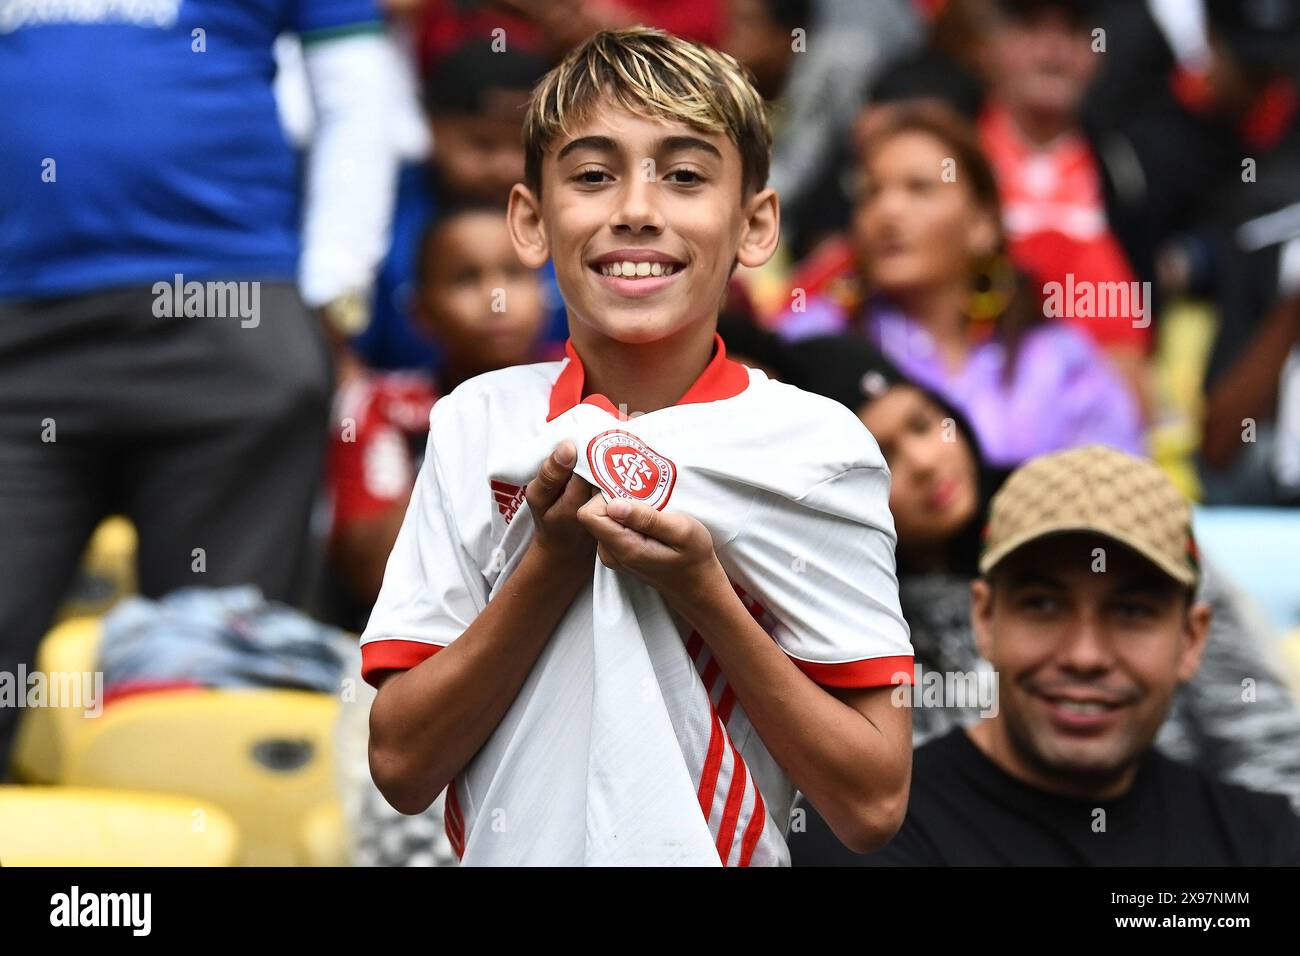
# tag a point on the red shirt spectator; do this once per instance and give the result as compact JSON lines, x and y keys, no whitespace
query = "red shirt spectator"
{"x":532,"y":24}
{"x":1055,"y":218}
{"x":381,"y":424}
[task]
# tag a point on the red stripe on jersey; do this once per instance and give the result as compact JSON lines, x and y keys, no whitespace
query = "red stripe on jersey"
{"x":393,"y":655}
{"x":726,"y":703}
{"x":731,"y":812}
{"x":754,"y":830}
{"x":453,"y":821}
{"x":694,"y":644}
{"x":712,"y":764}
{"x":873,"y":672}
{"x":711,"y":671}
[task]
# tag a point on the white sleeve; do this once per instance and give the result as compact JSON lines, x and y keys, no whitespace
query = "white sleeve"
{"x":432,"y":587}
{"x":352,"y":165}
{"x":819,"y":573}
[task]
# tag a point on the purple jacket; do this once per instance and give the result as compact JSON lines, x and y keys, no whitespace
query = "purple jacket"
{"x":1064,"y":392}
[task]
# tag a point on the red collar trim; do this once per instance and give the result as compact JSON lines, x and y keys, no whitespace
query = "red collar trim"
{"x":721,"y":378}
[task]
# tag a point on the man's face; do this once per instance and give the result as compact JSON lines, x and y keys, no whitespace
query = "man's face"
{"x":1088,"y":659}
{"x":1043,"y":63}
{"x":759,"y":42}
{"x":644,"y":220}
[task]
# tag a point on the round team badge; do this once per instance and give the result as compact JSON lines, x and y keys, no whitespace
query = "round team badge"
{"x":626,"y":467}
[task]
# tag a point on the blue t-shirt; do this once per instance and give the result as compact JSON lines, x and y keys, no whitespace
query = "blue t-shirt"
{"x":133,"y":147}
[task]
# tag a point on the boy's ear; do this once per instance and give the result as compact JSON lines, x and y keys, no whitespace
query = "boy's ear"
{"x":524,"y":219}
{"x":762,"y":229}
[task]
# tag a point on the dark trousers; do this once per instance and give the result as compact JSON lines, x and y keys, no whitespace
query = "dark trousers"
{"x":209,"y":433}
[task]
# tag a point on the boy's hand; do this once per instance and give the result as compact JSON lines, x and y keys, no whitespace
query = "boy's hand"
{"x":670,"y":551}
{"x":554,"y":498}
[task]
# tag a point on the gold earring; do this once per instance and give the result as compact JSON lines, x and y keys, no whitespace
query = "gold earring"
{"x":992,"y":287}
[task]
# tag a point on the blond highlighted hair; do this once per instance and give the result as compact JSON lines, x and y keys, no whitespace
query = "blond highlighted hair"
{"x":655,"y":75}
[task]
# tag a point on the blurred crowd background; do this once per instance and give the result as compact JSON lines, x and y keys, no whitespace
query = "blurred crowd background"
{"x":1109,"y":252}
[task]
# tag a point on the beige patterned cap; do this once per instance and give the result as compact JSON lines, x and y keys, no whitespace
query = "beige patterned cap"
{"x":1096,"y":490}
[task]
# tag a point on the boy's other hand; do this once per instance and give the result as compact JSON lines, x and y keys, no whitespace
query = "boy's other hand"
{"x":670,"y":551}
{"x":554,"y":498}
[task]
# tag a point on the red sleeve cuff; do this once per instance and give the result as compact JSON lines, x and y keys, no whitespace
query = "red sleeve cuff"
{"x":872,"y":672}
{"x":393,"y":655}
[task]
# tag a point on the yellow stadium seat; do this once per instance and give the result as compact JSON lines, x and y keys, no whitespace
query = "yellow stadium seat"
{"x":107,"y":573}
{"x":1291,"y":656}
{"x":45,"y":734}
{"x":323,"y":837}
{"x":263,"y":756}
{"x":70,"y":826}
{"x":1186,"y":334}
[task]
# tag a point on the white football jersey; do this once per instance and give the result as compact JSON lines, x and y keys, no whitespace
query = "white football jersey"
{"x":626,"y":743}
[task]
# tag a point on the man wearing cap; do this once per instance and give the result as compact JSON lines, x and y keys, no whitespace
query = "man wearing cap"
{"x":1086,"y":608}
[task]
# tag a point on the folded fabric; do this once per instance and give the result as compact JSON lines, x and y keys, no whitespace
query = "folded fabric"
{"x":220,"y":637}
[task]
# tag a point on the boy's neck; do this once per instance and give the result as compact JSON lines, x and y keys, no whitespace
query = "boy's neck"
{"x":646,"y":376}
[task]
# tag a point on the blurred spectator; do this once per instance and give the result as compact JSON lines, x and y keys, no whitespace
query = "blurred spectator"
{"x":939,"y":496}
{"x":1255,"y":63}
{"x":555,"y":26}
{"x":484,"y":307}
{"x":936,"y":292}
{"x":475,"y":99}
{"x":812,"y":60}
{"x":156,"y":358}
{"x":1041,"y":61}
{"x":1087,"y":666}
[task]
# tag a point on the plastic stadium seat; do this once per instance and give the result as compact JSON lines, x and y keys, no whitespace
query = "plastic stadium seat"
{"x":107,"y":571}
{"x":45,"y":734}
{"x":1291,"y":655}
{"x":69,"y":826}
{"x":323,"y":840}
{"x":262,"y":756}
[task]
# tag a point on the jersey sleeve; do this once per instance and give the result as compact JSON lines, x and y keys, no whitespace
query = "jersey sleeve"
{"x":316,"y":20}
{"x":822,"y":568}
{"x":433,"y":588}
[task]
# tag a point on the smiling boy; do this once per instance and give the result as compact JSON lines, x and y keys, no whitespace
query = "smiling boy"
{"x":696,"y":612}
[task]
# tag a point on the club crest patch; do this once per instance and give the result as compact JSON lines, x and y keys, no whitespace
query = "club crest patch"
{"x":626,"y":467}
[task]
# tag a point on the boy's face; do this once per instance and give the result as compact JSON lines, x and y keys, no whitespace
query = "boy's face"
{"x":478,"y":300}
{"x":644,"y":220}
{"x":1089,"y":654}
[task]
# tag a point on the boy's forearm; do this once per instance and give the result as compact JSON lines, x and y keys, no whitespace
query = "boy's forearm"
{"x":428,"y":723}
{"x":854,"y":772}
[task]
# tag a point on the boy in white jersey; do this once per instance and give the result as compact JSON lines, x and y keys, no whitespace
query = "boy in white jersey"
{"x":636,"y":652}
